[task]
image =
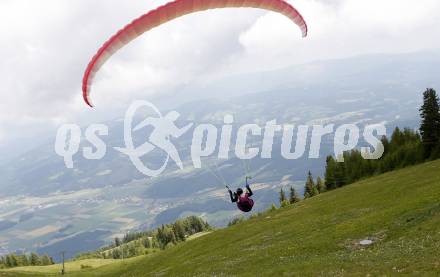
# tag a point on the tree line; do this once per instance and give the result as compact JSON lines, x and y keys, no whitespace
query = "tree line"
{"x":139,"y":243}
{"x":404,"y":148}
{"x":32,"y":259}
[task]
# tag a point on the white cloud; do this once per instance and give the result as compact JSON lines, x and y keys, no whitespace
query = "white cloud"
{"x":343,"y":28}
{"x":46,"y":45}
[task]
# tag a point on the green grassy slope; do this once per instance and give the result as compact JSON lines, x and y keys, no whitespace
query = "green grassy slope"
{"x":399,"y":211}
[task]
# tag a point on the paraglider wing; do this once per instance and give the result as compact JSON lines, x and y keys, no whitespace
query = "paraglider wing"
{"x":169,"y":12}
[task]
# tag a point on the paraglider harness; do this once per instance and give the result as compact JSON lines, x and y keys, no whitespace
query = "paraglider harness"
{"x":244,"y":203}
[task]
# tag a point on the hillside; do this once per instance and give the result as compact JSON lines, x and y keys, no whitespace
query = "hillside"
{"x":51,"y":207}
{"x":398,"y":211}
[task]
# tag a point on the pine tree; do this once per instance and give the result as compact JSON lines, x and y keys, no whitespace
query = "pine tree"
{"x":179,"y":231}
{"x":24,"y":261}
{"x":154,"y":242}
{"x":117,"y":241}
{"x":430,"y":126}
{"x":197,"y":224}
{"x":14,"y":260}
{"x":116,"y":253}
{"x":282,"y":196}
{"x":340,"y":175}
{"x":8,"y":261}
{"x":309,"y":188}
{"x":171,"y":236}
{"x":132,"y":251}
{"x":330,"y":173}
{"x":45,"y":260}
{"x":293,"y":198}
{"x":146,"y":242}
{"x":320,"y":184}
{"x":160,"y":235}
{"x":34,"y":259}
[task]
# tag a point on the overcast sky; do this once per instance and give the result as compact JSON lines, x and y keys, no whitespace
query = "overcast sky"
{"x":46,"y":44}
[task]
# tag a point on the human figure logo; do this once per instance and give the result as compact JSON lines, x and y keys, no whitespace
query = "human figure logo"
{"x":164,"y":128}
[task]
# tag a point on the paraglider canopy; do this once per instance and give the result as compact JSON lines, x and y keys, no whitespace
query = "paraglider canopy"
{"x":172,"y":11}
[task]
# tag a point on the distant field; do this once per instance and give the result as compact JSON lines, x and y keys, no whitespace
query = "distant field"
{"x":69,"y":266}
{"x":77,"y":267}
{"x":399,"y":212}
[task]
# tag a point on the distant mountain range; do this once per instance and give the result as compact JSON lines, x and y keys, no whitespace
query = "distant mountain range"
{"x":46,"y":207}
